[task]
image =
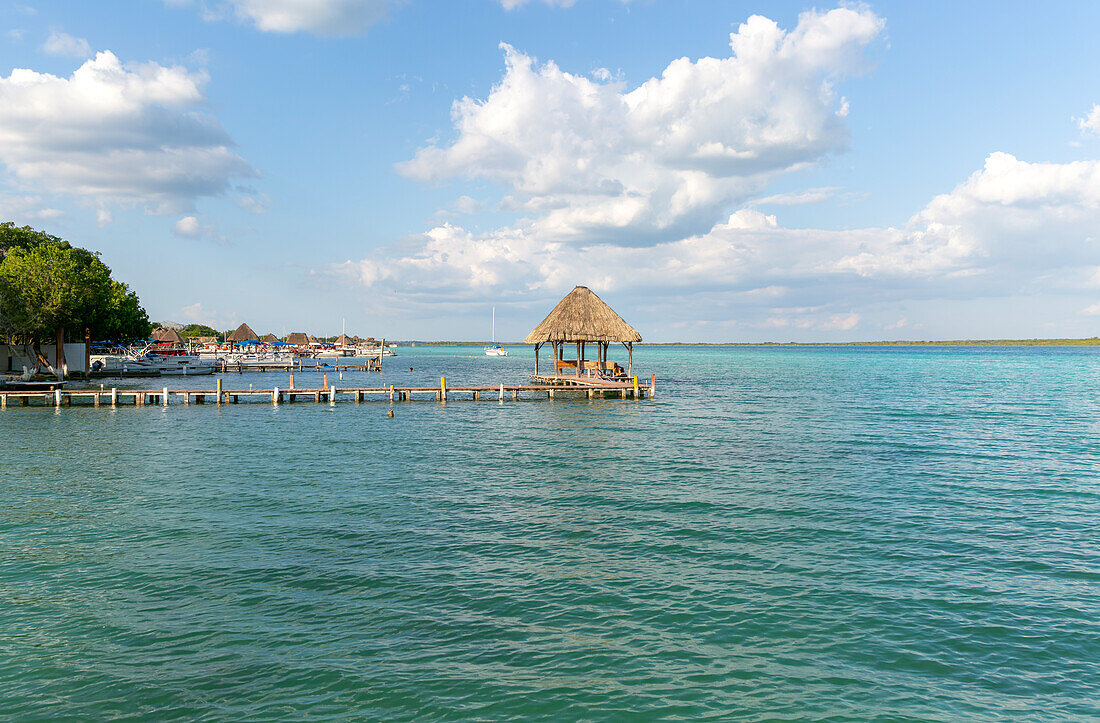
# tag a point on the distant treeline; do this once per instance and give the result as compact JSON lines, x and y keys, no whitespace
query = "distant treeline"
{"x":1092,"y":341}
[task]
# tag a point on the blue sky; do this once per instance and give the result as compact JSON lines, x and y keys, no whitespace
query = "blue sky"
{"x":888,"y":170}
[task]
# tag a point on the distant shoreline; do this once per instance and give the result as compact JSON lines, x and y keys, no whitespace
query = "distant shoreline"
{"x":1094,"y":341}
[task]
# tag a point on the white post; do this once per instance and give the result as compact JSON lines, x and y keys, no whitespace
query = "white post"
{"x":501,"y":385}
{"x":57,"y":397}
{"x":275,"y":395}
{"x":114,"y":396}
{"x":165,"y":397}
{"x":332,"y":394}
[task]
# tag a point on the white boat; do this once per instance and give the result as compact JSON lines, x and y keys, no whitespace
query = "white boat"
{"x":182,"y":365}
{"x":153,"y":364}
{"x":495,"y":349}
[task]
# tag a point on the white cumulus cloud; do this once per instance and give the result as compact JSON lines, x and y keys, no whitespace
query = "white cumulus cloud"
{"x":319,"y":17}
{"x":597,"y":160}
{"x":114,"y":133}
{"x":59,"y":43}
{"x":1011,"y":227}
{"x":1091,"y":122}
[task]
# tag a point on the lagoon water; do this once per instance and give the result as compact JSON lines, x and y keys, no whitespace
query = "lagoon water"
{"x":845,"y":533}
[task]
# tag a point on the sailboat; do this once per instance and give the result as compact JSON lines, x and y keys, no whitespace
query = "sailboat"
{"x":495,"y":349}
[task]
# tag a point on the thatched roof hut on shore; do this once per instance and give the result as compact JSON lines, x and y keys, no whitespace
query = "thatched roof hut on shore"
{"x":313,"y":339}
{"x":243,"y":333}
{"x":167,"y":335}
{"x":583,"y":318}
{"x":344,"y":340}
{"x":270,"y":339}
{"x":298,"y":339}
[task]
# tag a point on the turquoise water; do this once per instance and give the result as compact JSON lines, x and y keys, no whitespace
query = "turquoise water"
{"x":844,"y":534}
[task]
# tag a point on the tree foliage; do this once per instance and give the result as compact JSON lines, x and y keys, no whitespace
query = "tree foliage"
{"x":47,"y":285}
{"x":193,"y":330}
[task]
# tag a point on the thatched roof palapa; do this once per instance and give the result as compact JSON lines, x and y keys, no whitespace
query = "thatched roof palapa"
{"x":168,"y":335}
{"x":313,"y":339}
{"x":344,"y":340}
{"x":270,"y":339}
{"x":298,"y":338}
{"x":244,"y":333}
{"x":583,"y":316}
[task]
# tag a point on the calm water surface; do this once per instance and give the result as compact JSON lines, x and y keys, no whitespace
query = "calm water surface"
{"x":843,"y":534}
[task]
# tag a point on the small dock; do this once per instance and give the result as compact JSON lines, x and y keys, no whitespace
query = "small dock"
{"x":219,"y":395}
{"x":239,"y":367}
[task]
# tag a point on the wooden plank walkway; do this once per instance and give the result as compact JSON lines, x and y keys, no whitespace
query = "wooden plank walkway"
{"x":166,"y":396}
{"x":223,"y":367}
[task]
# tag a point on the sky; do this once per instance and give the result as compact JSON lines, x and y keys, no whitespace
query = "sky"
{"x":714,"y":170}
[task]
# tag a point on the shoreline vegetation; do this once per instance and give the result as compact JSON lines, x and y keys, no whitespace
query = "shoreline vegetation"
{"x":1092,"y":341}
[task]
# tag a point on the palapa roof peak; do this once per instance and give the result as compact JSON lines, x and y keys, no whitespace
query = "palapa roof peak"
{"x":298,"y":338}
{"x":582,"y":316}
{"x":343,"y":340}
{"x":167,"y":334}
{"x":244,"y":333}
{"x":270,"y":339}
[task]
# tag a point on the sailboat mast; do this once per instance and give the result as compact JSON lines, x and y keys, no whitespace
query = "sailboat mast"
{"x":494,"y":326}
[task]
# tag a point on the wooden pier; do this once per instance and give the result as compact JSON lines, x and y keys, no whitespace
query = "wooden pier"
{"x":443,"y":393}
{"x":226,"y":367}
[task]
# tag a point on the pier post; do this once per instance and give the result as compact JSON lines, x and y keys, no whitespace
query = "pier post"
{"x":550,"y":394}
{"x":187,"y":399}
{"x":114,"y":396}
{"x":391,"y":394}
{"x":292,"y":380}
{"x":635,"y":387}
{"x":502,"y":391}
{"x":332,"y":394}
{"x":652,"y":385}
{"x":275,"y":395}
{"x":219,"y":392}
{"x":515,"y":395}
{"x":4,"y":401}
{"x":443,"y":389}
{"x":57,"y":397}
{"x":326,"y":381}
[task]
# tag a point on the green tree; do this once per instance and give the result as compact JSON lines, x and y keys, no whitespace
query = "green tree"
{"x":49,"y":287}
{"x":193,"y":330}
